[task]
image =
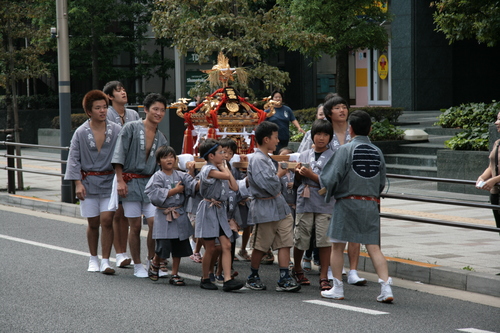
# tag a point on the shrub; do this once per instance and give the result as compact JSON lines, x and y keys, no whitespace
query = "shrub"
{"x":378,"y":113}
{"x":470,"y":139}
{"x":470,"y":115}
{"x":474,"y":118}
{"x":76,"y":120}
{"x":385,"y":131}
{"x":381,"y":131}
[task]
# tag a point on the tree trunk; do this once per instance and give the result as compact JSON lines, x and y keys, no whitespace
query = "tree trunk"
{"x":342,"y":79}
{"x":15,"y":113}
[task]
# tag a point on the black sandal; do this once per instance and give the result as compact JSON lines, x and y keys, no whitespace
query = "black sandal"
{"x":176,"y":280}
{"x":153,"y":272}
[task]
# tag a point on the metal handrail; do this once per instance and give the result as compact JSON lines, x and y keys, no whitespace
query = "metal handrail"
{"x":11,"y":157}
{"x":33,"y":158}
{"x":30,"y":145}
{"x":432,"y":179}
{"x":439,"y":201}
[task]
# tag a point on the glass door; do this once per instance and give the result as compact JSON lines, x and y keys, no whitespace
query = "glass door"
{"x":379,"y":70}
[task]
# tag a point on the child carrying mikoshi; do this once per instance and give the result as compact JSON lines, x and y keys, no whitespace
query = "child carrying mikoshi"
{"x":211,"y":217}
{"x":167,"y":189}
{"x":313,"y":215}
{"x":269,"y":210}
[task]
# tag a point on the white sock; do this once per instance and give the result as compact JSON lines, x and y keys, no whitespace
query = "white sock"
{"x":94,"y":257}
{"x":330,"y":274}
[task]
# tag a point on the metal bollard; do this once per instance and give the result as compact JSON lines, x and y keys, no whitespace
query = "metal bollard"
{"x":11,"y":174}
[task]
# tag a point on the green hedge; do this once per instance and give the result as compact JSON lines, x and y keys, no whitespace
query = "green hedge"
{"x":474,"y":118}
{"x":76,"y":120}
{"x":378,"y":113}
{"x":382,"y":130}
{"x":469,"y":115}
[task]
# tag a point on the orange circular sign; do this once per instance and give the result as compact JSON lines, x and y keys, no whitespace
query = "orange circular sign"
{"x":383,"y":67}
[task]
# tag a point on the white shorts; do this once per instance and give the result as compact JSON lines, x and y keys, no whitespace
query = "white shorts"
{"x":333,"y":240}
{"x":133,"y":209}
{"x":92,"y":207}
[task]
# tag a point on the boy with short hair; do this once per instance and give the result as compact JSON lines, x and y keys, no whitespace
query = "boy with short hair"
{"x":119,"y":114}
{"x":211,"y":217}
{"x":89,"y":166}
{"x":270,"y":212}
{"x":312,"y":212}
{"x":134,"y":162}
{"x":355,"y":176}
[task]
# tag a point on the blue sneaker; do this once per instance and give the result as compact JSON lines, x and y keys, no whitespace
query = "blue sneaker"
{"x":219,"y":279}
{"x":287,"y":284}
{"x":211,"y":276}
{"x":254,"y":283}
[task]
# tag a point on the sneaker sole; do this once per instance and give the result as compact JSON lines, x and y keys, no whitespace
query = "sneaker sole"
{"x":387,"y":300}
{"x":108,"y":271}
{"x":125,"y":263}
{"x":358,"y":283}
{"x":332,"y":297}
{"x":290,"y":290}
{"x":209,"y":288}
{"x":253,"y":288}
{"x":233,"y":288}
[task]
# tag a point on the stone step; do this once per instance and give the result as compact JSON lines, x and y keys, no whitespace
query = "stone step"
{"x":412,"y":170}
{"x":436,"y":130}
{"x":411,"y":159}
{"x":421,"y":148}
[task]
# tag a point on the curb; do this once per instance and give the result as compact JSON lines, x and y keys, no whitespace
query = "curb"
{"x":435,"y":275}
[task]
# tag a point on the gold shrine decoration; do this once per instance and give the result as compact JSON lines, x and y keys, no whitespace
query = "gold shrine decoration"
{"x":222,"y":72}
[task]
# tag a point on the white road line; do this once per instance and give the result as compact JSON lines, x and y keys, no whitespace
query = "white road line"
{"x":346,"y":307}
{"x":52,"y":247}
{"x":473,"y":330}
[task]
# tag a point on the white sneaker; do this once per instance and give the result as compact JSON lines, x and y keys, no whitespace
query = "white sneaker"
{"x":337,"y":292}
{"x":93,"y":264}
{"x":140,"y":271}
{"x":353,"y":278}
{"x":106,"y":268}
{"x":343,"y":271}
{"x":386,"y":295}
{"x":162,"y":274}
{"x":122,"y":260}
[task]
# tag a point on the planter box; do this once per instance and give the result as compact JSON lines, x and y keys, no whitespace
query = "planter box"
{"x":390,"y":147}
{"x":49,"y":137}
{"x":461,"y":164}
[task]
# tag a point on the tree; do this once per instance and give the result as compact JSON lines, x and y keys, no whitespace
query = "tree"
{"x":103,"y":30}
{"x":467,"y":19}
{"x":24,"y":39}
{"x":350,"y":25}
{"x":244,"y":30}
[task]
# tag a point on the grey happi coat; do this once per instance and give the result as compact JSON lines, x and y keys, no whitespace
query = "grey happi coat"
{"x":157,"y":191}
{"x":130,"y":152}
{"x":84,"y":156}
{"x":357,"y":168}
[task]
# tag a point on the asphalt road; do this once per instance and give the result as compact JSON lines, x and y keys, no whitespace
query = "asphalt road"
{"x":44,"y":287}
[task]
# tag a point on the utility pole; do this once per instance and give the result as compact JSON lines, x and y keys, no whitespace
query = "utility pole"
{"x":64,"y":92}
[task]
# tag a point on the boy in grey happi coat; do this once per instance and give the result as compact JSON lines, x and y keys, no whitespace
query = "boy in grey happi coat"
{"x":355,"y":176}
{"x":269,"y":210}
{"x":89,"y":166}
{"x":134,"y":162}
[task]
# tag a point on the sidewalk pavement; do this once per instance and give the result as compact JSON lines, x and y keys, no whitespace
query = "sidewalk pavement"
{"x":452,"y":257}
